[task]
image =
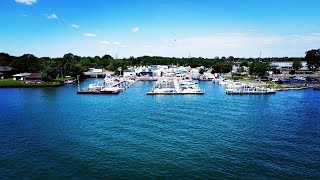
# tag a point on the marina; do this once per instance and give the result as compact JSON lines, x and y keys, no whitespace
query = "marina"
{"x":161,"y":89}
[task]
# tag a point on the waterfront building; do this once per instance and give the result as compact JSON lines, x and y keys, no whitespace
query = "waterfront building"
{"x":128,"y":73}
{"x":33,"y":78}
{"x":7,"y":71}
{"x":20,"y":77}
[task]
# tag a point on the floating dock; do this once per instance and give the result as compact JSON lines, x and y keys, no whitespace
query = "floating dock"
{"x":172,"y":86}
{"x":239,"y":88}
{"x":250,"y":92}
{"x":108,"y":86}
{"x":174,"y":93}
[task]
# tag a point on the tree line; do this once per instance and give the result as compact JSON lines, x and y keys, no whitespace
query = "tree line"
{"x":73,"y":65}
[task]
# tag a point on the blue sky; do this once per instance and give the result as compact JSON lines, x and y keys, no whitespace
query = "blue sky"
{"x":175,"y":28}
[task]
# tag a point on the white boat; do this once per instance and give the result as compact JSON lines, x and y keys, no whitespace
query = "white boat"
{"x":70,"y":81}
{"x":217,"y":80}
{"x":225,"y":82}
{"x":94,"y":87}
{"x":235,"y":84}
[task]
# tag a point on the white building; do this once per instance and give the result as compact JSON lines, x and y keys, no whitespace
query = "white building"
{"x":20,"y":77}
{"x":128,"y":73}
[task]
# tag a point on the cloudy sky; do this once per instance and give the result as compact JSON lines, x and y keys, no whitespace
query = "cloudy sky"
{"x":174,"y":28}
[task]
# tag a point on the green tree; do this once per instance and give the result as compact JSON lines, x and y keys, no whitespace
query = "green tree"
{"x":26,"y":63}
{"x":258,"y":69}
{"x":296,"y":65}
{"x":244,"y":63}
{"x":313,"y":59}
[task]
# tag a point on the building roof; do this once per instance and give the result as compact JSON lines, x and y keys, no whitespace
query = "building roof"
{"x":34,"y":75}
{"x":21,"y":75}
{"x":6,"y":68}
{"x":126,"y":70}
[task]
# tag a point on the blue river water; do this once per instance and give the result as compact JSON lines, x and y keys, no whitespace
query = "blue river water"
{"x":55,"y":133}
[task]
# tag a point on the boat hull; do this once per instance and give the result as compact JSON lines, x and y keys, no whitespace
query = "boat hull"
{"x":98,"y":92}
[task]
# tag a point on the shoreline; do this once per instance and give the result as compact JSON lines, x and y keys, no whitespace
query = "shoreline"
{"x":31,"y":86}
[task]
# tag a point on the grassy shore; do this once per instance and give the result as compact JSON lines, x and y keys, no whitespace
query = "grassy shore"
{"x":8,"y":83}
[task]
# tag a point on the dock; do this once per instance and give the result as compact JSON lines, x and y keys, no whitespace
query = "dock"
{"x":174,"y":93}
{"x":108,"y":86}
{"x":250,"y":92}
{"x":172,"y":86}
{"x":241,"y":88}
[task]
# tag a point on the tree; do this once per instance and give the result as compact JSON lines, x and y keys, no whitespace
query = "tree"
{"x":258,"y":69}
{"x":251,"y":68}
{"x":313,"y":59}
{"x":26,"y":63}
{"x":244,"y":63}
{"x":296,"y":65}
{"x":201,"y":71}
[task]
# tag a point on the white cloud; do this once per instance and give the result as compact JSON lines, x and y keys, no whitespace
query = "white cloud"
{"x":75,"y":26}
{"x":27,"y":2}
{"x":136,"y":29}
{"x":52,"y":16}
{"x":104,"y":42}
{"x":89,"y":35}
{"x":116,"y":43}
{"x":123,"y":46}
{"x":247,"y":44}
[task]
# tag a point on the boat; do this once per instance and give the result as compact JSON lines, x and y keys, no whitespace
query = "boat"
{"x":70,"y":81}
{"x":98,"y":92}
{"x":225,"y":82}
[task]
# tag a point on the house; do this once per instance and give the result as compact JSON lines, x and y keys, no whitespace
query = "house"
{"x":96,"y":69}
{"x":128,"y":73}
{"x":1,"y":75}
{"x":6,"y":71}
{"x":20,"y":77}
{"x":33,"y":78}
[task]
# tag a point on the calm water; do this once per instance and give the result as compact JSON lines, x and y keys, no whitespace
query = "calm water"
{"x":53,"y":132}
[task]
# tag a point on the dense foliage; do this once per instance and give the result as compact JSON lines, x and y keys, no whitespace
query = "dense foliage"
{"x":73,"y":65}
{"x":258,"y":68}
{"x":313,"y":59}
